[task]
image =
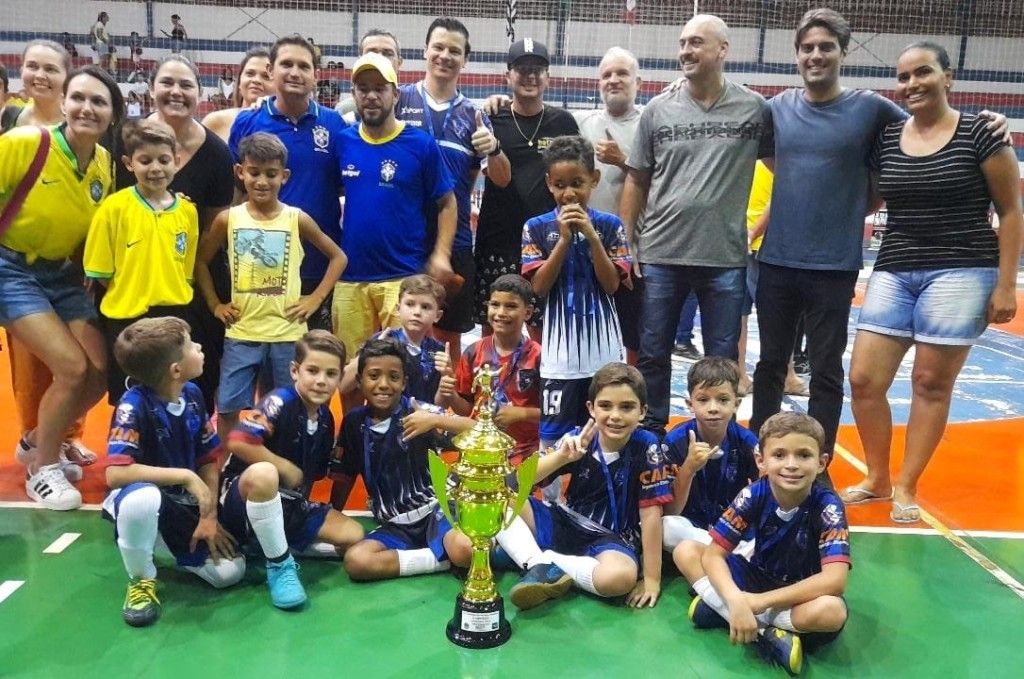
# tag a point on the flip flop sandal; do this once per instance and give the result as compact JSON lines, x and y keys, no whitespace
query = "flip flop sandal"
{"x":905,"y":513}
{"x":855,"y":495}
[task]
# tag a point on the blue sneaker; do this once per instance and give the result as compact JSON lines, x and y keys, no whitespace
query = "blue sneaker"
{"x":781,"y":647}
{"x":542,"y":582}
{"x":285,"y":589}
{"x":703,"y":616}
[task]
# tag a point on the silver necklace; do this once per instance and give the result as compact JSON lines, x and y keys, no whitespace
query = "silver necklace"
{"x":529,"y":140}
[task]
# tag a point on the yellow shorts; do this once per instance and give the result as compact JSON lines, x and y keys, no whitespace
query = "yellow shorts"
{"x":361,"y":309}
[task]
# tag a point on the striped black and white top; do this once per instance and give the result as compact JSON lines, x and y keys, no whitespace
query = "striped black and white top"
{"x":938,"y":204}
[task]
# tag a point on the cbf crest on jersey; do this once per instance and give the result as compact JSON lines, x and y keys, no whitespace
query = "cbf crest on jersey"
{"x":321,"y":138}
{"x":388,"y":170}
{"x":180,"y":243}
{"x":95,"y":190}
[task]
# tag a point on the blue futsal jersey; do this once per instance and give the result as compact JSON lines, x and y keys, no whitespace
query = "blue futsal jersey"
{"x":581,"y":326}
{"x":610,"y":488}
{"x":280,"y":422}
{"x":790,"y":546}
{"x":395,"y":472}
{"x":389,"y":183}
{"x":452,"y":124}
{"x":422,"y":376}
{"x":147,"y":430}
{"x":716,"y":485}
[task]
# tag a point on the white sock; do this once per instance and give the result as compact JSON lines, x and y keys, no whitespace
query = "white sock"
{"x":675,"y":529}
{"x":519,"y":543}
{"x":320,"y":550}
{"x":710,"y":596}
{"x":419,"y":561}
{"x":137,"y":516}
{"x":781,"y":618}
{"x":580,"y":569}
{"x":267,"y":521}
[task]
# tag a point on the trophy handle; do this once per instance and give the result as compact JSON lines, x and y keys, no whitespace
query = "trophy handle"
{"x":439,"y":479}
{"x":525,"y":475}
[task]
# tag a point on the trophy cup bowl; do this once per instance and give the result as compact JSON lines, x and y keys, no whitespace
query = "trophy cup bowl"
{"x":480,"y":504}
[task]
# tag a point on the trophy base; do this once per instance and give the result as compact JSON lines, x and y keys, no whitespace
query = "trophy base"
{"x":479,"y":625}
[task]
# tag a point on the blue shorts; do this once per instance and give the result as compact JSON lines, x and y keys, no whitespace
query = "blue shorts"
{"x":933,"y":306}
{"x":566,"y":532}
{"x":753,"y":580}
{"x":303,"y":518}
{"x":240,"y":368}
{"x":43,"y":286}
{"x":563,"y":407}
{"x":427,"y":532}
{"x":176,"y":523}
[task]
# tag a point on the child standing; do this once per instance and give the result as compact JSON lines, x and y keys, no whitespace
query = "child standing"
{"x":164,"y":468}
{"x":277,"y":451}
{"x":790,"y":592}
{"x":414,"y":536}
{"x":517,"y":391}
{"x":142,"y":242}
{"x":575,"y":257}
{"x":267,"y":313}
{"x":712,"y":453}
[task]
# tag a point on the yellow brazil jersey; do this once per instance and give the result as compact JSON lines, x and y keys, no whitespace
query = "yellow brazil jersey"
{"x":146,"y":254}
{"x":760,"y":196}
{"x":264,"y":257}
{"x":54,"y":219}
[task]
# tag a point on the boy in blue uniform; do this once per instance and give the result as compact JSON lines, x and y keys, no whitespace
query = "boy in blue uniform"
{"x":575,"y":257}
{"x":613,"y":504}
{"x":414,"y":536}
{"x":713,"y":456}
{"x":277,"y":451}
{"x":790,"y":592}
{"x":164,"y":467}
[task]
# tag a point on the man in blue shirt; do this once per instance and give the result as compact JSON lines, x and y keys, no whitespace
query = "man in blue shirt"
{"x":392,"y":174}
{"x":310,"y":132}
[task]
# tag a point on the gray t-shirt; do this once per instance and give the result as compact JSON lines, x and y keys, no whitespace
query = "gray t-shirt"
{"x":702,"y":165}
{"x":596,"y":125}
{"x":821,"y":178}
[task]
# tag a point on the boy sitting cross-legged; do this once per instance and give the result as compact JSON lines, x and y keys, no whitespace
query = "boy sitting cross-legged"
{"x":790,"y":592}
{"x":164,"y":467}
{"x":277,"y":451}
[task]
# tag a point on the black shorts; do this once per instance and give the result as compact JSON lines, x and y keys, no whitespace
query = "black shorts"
{"x":427,"y":532}
{"x":627,"y":305}
{"x":303,"y":518}
{"x":458,"y":308}
{"x":490,"y":266}
{"x":566,"y":532}
{"x":176,"y":524}
{"x":321,"y":318}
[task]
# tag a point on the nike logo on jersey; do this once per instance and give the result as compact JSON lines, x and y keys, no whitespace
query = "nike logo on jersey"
{"x":134,"y":242}
{"x":47,"y":182}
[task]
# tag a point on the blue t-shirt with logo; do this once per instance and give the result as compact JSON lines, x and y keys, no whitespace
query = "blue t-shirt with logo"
{"x":389,"y":185}
{"x":313,"y":148}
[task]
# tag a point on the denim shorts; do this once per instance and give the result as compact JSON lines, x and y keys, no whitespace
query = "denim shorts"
{"x":934,"y":306}
{"x":42,"y":286}
{"x":240,"y":366}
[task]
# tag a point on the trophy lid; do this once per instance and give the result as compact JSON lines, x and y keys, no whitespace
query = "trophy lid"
{"x":485,"y":435}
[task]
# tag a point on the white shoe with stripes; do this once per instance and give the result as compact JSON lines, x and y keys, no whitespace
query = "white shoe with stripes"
{"x":50,"y":488}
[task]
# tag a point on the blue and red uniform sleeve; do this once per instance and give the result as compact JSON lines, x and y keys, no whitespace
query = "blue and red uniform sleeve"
{"x":614,"y":239}
{"x":730,"y":527}
{"x":834,"y":540}
{"x":655,"y":474}
{"x":123,"y":441}
{"x":534,"y":253}
{"x":257,"y":426}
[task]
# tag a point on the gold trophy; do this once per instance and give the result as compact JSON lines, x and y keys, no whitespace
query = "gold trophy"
{"x":483,"y":505}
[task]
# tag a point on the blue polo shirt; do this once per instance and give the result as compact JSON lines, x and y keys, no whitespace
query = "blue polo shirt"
{"x":452,"y":124}
{"x":313,"y":158}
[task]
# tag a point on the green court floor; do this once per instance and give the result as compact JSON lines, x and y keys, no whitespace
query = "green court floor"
{"x":919,"y":609}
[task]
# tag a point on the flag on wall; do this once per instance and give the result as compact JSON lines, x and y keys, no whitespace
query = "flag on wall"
{"x":510,"y":20}
{"x":630,"y":15}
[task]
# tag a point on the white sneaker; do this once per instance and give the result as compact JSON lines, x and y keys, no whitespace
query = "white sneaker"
{"x":50,"y":488}
{"x":25,"y":453}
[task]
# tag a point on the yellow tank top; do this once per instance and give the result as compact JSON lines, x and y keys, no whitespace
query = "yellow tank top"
{"x":760,"y":197}
{"x":264,"y":257}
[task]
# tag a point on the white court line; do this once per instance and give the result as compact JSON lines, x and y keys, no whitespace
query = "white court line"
{"x":9,"y":587}
{"x":62,"y":543}
{"x":897,"y":530}
{"x":28,"y":504}
{"x":969,"y":550}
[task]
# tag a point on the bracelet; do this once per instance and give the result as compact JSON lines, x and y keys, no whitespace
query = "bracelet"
{"x":496,"y":150}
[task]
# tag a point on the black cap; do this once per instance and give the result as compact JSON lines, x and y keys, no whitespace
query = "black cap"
{"x":527,"y":47}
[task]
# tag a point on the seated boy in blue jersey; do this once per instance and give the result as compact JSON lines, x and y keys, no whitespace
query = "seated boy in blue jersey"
{"x":575,"y":257}
{"x":277,"y":451}
{"x":790,"y":593}
{"x":164,"y":467}
{"x":619,"y":482}
{"x":420,"y":304}
{"x":713,"y":459}
{"x":414,"y":536}
{"x":266,"y":311}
